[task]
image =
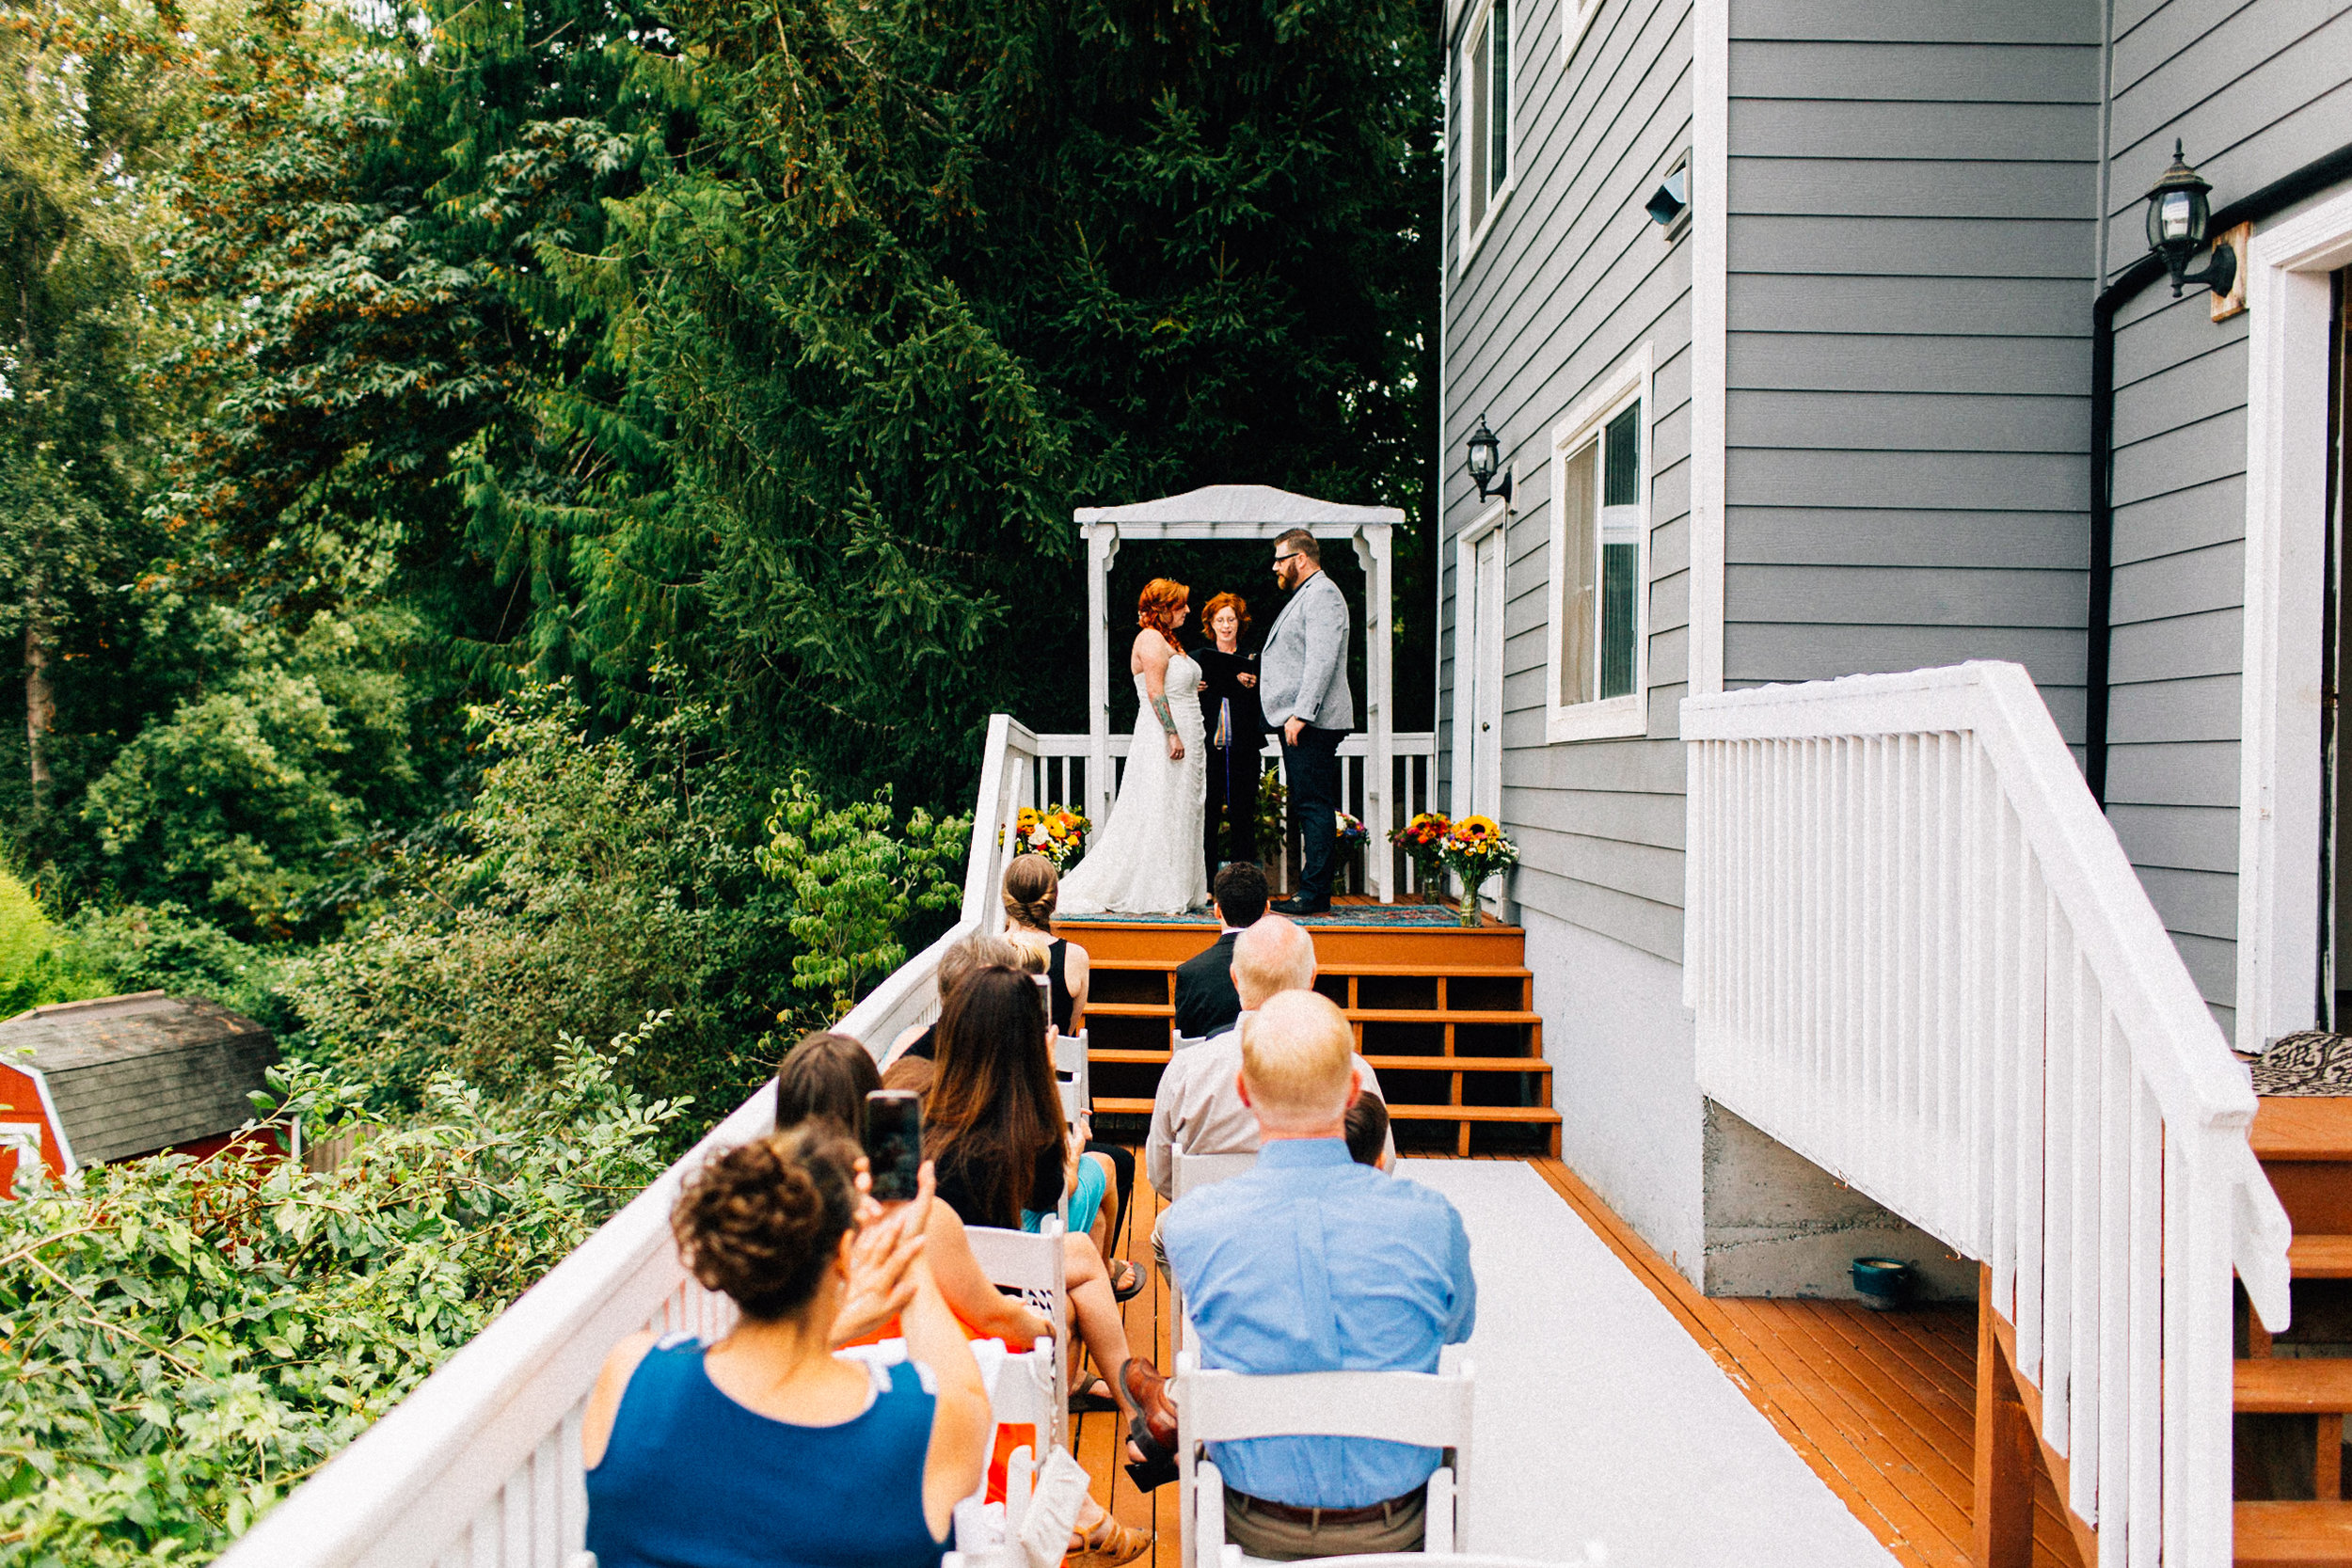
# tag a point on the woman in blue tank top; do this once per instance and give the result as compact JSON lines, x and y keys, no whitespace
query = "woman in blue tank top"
{"x":764,"y":1451}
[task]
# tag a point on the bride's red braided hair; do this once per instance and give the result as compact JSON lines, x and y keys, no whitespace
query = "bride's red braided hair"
{"x":1161,"y":599}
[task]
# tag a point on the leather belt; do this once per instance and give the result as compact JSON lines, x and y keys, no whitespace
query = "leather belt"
{"x":1320,"y":1516}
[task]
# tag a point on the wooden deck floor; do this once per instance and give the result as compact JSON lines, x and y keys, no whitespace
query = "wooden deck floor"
{"x":1882,"y":1406}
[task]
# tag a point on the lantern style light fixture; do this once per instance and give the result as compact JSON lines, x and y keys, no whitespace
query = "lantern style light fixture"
{"x":2178,"y":217}
{"x":1486,"y":456}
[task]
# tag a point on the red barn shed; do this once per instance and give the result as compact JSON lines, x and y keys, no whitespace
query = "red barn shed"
{"x":88,"y":1083}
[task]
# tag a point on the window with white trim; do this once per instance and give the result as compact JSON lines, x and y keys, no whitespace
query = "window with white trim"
{"x":1486,"y":121}
{"x":1599,"y":555}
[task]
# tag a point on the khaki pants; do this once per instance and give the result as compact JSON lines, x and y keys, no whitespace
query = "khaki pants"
{"x":1291,"y":1539}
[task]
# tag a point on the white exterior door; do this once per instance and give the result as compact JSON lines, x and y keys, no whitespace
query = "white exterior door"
{"x":1485,"y":706}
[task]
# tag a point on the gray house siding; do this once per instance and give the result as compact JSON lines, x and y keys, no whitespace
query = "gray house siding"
{"x":1907,"y":409}
{"x":2254,"y":92}
{"x":1572,"y":278}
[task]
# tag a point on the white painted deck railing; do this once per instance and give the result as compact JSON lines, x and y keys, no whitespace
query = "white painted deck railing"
{"x":1060,"y":774}
{"x":1920,"y":958}
{"x":480,"y":1466}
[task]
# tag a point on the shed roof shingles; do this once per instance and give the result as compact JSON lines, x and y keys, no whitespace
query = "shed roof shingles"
{"x":131,"y":1075}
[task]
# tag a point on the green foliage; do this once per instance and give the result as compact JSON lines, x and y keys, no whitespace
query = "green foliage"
{"x":238,"y":801}
{"x":181,"y":1344}
{"x":34,"y":968}
{"x":855,"y":881}
{"x":592,"y":881}
{"x":163,"y":947}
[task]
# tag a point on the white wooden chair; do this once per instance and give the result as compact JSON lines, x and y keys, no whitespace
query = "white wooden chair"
{"x":1430,"y":1409}
{"x":1189,"y":1173}
{"x":1075,"y":1076}
{"x":1031,"y":1267}
{"x":1185,"y":1043}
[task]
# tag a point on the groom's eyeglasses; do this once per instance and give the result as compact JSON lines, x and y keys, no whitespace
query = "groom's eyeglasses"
{"x":1279,"y":559}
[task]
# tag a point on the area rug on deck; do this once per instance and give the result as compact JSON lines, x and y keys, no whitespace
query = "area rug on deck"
{"x":2313,"y":1063}
{"x":1343,"y":914}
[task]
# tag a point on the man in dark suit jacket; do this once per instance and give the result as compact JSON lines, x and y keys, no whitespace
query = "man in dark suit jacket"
{"x":1206,"y":1001}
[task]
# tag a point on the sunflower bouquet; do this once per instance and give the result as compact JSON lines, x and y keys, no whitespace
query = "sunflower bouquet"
{"x":1423,"y":839}
{"x":1056,"y":832}
{"x":1476,"y":848}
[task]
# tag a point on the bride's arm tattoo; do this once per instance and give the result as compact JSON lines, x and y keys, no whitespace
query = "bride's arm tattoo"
{"x":1168,"y":720}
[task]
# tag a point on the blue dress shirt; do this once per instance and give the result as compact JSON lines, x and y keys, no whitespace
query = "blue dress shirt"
{"x":1313,"y":1264}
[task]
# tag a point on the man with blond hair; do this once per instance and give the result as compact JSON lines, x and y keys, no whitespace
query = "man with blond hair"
{"x":1312,"y":1264}
{"x":1198,"y":1107}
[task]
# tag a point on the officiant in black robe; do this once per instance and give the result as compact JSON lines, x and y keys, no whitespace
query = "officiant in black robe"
{"x":1235,"y":725}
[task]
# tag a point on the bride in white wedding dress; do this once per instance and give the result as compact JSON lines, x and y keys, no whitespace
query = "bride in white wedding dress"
{"x":1146,"y":859}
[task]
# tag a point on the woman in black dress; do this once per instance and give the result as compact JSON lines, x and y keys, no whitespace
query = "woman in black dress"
{"x":1237,"y":730}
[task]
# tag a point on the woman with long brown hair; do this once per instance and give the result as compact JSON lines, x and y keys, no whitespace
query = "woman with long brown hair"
{"x":1146,"y":859}
{"x":992,"y":1129}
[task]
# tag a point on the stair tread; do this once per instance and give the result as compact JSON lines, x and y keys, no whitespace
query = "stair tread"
{"x":1424,"y":972}
{"x":1538,"y":1114}
{"x":1384,"y":1064}
{"x":2320,"y":1257}
{"x":2302,"y":1128}
{"x":1354,"y":1015}
{"x":2292,"y":1535}
{"x":2289,"y":1385}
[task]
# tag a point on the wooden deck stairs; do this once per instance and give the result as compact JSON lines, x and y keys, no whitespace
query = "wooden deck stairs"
{"x":2291,"y":1511}
{"x":1445,"y":1014}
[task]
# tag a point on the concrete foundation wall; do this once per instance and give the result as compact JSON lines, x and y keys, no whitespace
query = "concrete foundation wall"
{"x":1777,"y":1224}
{"x":1624,"y":1079}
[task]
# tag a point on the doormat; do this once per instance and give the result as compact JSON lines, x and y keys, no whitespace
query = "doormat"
{"x":1379,"y":915}
{"x":2312,"y":1062}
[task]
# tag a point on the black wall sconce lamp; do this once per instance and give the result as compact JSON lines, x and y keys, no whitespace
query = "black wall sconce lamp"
{"x":2178,"y":216}
{"x":1486,"y":456}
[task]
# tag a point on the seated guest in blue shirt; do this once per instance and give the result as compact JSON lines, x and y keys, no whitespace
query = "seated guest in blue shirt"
{"x":764,"y":1448}
{"x":1312,"y":1264}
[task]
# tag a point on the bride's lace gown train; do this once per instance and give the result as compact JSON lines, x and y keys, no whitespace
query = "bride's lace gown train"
{"x":1146,"y":859}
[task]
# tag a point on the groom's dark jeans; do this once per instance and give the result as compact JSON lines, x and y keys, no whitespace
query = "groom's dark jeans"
{"x":1313,"y":768}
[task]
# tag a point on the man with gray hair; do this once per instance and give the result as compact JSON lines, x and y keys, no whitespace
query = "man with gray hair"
{"x":1199,"y":1108}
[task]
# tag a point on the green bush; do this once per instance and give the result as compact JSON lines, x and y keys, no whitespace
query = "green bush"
{"x":182,"y":1344}
{"x":604,"y":878}
{"x":34,"y":968}
{"x":163,"y":947}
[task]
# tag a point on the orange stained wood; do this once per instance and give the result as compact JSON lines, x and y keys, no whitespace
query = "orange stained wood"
{"x":2301,"y":1128}
{"x":1882,"y":1406}
{"x":2320,"y":1257}
{"x":2297,"y":1386}
{"x":2293,"y":1535}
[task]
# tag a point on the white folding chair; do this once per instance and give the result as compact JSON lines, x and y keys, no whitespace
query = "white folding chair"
{"x":1031,"y":1267}
{"x":1185,"y":1043}
{"x":1430,"y":1409}
{"x":1071,"y":1072}
{"x":1188,"y":1173}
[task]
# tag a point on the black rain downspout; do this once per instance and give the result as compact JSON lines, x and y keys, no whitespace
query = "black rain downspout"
{"x":2271,"y":199}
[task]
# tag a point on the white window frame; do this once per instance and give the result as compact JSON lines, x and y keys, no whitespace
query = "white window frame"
{"x":1604,"y":718}
{"x":1576,"y":18}
{"x":1475,"y":18}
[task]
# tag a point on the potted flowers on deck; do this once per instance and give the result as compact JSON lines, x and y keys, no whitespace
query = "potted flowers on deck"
{"x":1476,"y":850}
{"x":1423,"y":839}
{"x":1056,"y":832}
{"x":1348,"y":837}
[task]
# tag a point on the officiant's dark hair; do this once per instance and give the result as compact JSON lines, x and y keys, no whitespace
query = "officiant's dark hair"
{"x":1302,"y":543}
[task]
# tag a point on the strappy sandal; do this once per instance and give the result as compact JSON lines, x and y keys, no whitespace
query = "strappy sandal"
{"x":1086,"y":1399}
{"x":1109,"y":1543}
{"x":1130,"y":1284}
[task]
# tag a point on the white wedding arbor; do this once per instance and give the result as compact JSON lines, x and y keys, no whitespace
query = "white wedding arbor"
{"x":1239,"y":514}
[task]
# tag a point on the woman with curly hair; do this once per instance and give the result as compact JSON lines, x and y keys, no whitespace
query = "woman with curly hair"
{"x":1237,"y":730}
{"x":828,"y":1461}
{"x":1146,"y":859}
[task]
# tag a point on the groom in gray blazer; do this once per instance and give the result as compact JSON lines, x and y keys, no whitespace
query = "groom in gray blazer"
{"x":1303,"y":687}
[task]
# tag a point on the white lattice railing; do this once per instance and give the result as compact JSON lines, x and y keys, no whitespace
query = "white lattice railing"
{"x":1059,"y":773}
{"x":480,"y":1466}
{"x":1920,"y":958}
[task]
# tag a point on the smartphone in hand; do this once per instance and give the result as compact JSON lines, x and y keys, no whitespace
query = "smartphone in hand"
{"x":893,"y":1136}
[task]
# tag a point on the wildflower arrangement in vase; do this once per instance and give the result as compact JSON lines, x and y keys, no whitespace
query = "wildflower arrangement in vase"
{"x":1423,"y":839}
{"x":1056,"y":832}
{"x":1476,"y":848}
{"x":1350,"y":831}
